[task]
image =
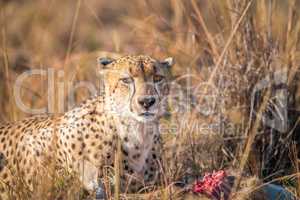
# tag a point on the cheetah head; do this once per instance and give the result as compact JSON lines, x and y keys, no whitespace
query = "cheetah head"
{"x":136,"y":86}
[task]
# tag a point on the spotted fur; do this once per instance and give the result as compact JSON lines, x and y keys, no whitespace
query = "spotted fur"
{"x":88,"y":134}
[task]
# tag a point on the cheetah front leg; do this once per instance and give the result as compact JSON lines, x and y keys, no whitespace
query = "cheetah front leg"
{"x":89,"y":176}
{"x":100,"y":191}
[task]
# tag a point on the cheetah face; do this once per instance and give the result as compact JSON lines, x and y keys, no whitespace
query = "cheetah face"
{"x":137,"y":86}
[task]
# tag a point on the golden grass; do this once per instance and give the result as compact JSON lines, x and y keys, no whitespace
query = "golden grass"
{"x":229,"y":45}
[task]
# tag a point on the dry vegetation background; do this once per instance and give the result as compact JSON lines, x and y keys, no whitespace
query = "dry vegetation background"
{"x":228,"y":45}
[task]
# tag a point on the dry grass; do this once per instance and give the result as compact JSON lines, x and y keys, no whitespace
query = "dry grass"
{"x":227,"y":46}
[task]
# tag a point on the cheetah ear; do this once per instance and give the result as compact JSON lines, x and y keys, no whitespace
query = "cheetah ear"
{"x":168,"y":62}
{"x":103,"y":62}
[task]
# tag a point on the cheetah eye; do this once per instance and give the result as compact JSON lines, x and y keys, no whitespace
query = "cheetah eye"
{"x":127,"y":80}
{"x":158,"y":78}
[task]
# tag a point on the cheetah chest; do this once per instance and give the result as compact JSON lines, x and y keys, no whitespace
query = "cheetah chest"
{"x":137,"y":154}
{"x":137,"y":142}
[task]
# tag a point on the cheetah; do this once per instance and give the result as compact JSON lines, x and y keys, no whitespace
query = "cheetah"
{"x":125,"y":112}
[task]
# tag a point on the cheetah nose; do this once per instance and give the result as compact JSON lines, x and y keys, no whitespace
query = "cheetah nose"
{"x":146,"y":102}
